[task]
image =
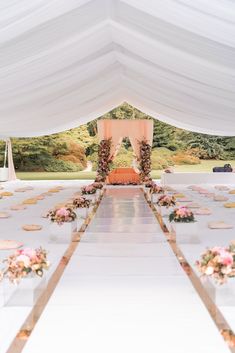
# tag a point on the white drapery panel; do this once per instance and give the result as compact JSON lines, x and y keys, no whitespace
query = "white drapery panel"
{"x":65,"y":62}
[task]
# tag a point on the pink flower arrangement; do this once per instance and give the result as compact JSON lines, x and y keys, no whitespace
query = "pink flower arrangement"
{"x":166,"y":201}
{"x":81,"y":202}
{"x":24,"y":263}
{"x":218,"y":263}
{"x":182,"y":214}
{"x":62,"y":215}
{"x":88,"y":190}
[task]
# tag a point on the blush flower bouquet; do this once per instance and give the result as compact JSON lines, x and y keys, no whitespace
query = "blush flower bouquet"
{"x":88,"y":190}
{"x":218,"y":263}
{"x":62,"y":215}
{"x":182,"y":215}
{"x":166,"y":201}
{"x":25,"y":262}
{"x":81,"y":202}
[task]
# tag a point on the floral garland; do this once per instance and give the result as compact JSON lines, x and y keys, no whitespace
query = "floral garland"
{"x":182,"y":215}
{"x":62,"y":215}
{"x":145,"y":160}
{"x":99,"y":179}
{"x":166,"y":201}
{"x":25,"y":262}
{"x":218,"y":263}
{"x":98,"y":185}
{"x":81,"y":202}
{"x":149,"y":184}
{"x":88,"y":190}
{"x":103,"y":158}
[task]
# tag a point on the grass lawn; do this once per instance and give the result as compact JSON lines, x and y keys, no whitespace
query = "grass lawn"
{"x":204,"y":166}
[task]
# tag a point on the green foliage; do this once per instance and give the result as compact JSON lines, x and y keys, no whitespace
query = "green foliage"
{"x":93,"y":158}
{"x":184,"y":158}
{"x":124,"y":158}
{"x":57,"y":165}
{"x":71,"y":149}
{"x":211,"y":146}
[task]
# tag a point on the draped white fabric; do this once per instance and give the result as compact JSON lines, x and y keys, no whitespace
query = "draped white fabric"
{"x":65,"y":62}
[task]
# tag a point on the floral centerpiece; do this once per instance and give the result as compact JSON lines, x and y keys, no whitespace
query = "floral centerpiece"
{"x":88,"y":190}
{"x":81,"y":202}
{"x":157,"y":189}
{"x":182,"y":215}
{"x":218,"y":263}
{"x":25,"y":262}
{"x":166,"y":201}
{"x":62,"y":215}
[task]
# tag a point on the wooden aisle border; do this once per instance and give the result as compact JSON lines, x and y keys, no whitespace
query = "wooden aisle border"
{"x":213,"y":310}
{"x":27,"y":327}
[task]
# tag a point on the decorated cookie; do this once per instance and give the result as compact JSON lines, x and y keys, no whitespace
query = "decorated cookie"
{"x":221,"y":187}
{"x":30,"y":201}
{"x":203,"y":212}
{"x":31,"y":227}
{"x":210,"y":195}
{"x":4,"y":215}
{"x":220,"y":198}
{"x":40,"y":197}
{"x":184,"y":199}
{"x":6,"y":193}
{"x":179,"y":196}
{"x":193,"y":205}
{"x":229,"y":205}
{"x":219,"y":225}
{"x":53,"y":190}
{"x":18,"y":207}
{"x":9,"y":244}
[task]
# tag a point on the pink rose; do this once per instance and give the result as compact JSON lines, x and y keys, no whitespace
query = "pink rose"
{"x":62,"y":212}
{"x":226,"y":258}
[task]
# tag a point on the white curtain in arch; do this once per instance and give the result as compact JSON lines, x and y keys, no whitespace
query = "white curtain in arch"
{"x":65,"y":62}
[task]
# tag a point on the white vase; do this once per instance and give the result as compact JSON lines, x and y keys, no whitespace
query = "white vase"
{"x":186,"y":233}
{"x":98,"y":194}
{"x":148,"y":194}
{"x":26,"y":292}
{"x":164,"y":211}
{"x":3,"y":174}
{"x":91,"y":197}
{"x":62,"y":233}
{"x":221,"y":294}
{"x":155,"y":197}
{"x":81,"y":212}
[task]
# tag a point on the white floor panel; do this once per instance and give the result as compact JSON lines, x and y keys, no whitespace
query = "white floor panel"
{"x":125,"y":292}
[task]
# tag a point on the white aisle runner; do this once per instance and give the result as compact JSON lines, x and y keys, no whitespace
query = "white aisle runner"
{"x":124,"y":291}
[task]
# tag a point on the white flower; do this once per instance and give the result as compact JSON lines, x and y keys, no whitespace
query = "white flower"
{"x":25,"y":259}
{"x":209,"y":271}
{"x":226,"y":270}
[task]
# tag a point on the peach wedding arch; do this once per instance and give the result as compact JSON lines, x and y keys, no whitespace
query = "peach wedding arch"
{"x":137,"y":130}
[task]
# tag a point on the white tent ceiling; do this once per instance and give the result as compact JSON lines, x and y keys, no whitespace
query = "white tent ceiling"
{"x":65,"y":62}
